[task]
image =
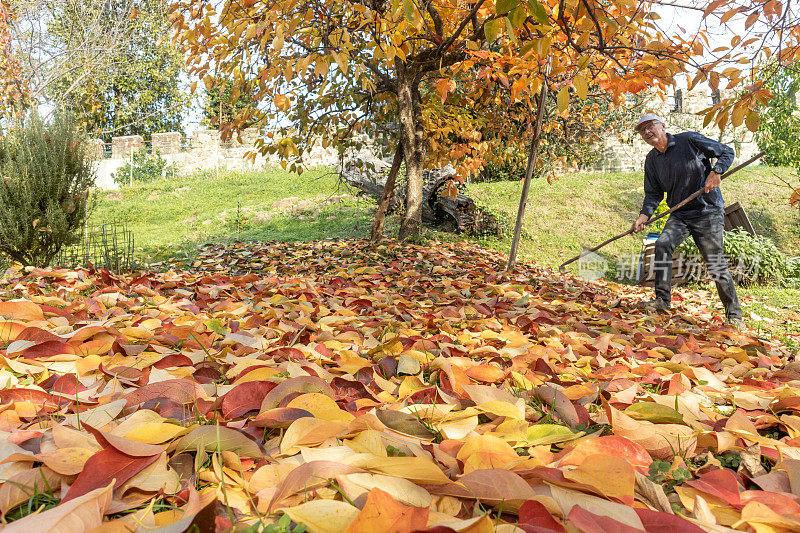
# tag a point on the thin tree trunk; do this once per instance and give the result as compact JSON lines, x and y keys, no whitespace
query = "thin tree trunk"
{"x":388,"y":194}
{"x":412,"y":136}
{"x":523,"y":201}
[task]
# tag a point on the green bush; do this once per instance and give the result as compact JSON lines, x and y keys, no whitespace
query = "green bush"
{"x":146,"y":167}
{"x":780,"y":119}
{"x":792,"y":275}
{"x":751,"y":259}
{"x":658,"y":225}
{"x":44,"y":192}
{"x":510,"y":167}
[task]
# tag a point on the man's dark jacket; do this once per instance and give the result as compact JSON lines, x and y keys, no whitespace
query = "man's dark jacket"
{"x":682,"y":170}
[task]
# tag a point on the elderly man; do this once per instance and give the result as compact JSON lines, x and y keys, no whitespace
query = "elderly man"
{"x":679,"y":165}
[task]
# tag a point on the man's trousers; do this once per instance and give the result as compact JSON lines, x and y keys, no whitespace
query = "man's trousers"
{"x":707,"y":231}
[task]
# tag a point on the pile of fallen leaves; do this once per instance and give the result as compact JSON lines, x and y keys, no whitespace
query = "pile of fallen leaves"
{"x":336,"y":387}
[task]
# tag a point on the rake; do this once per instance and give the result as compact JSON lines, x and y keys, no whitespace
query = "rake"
{"x":665,"y":213}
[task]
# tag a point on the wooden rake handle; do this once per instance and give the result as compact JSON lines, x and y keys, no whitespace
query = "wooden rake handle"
{"x":735,"y":169}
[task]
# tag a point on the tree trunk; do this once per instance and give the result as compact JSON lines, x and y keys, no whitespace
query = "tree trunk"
{"x":523,"y":201}
{"x":413,"y":139}
{"x":386,"y":197}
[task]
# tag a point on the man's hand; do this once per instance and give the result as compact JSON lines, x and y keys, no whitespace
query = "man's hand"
{"x":638,"y":224}
{"x":712,"y":181}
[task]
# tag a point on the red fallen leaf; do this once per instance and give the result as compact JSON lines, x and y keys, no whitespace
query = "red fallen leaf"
{"x":167,"y":408}
{"x":18,"y":437}
{"x":428,"y":395}
{"x":287,"y":353}
{"x":564,"y":409}
{"x":349,"y":391}
{"x":206,"y":373}
{"x":222,"y":524}
{"x":37,"y":335}
{"x":770,"y":453}
{"x":47,"y":349}
{"x":536,"y":515}
{"x":245,"y":397}
{"x":658,"y":522}
{"x":36,"y":397}
{"x":68,"y":385}
{"x":280,"y":417}
{"x":122,"y":372}
{"x":182,"y":391}
{"x":173,"y":360}
{"x":780,"y":503}
{"x":131,"y":350}
{"x":790,"y":403}
{"x":587,"y":522}
{"x":102,"y":467}
{"x":634,"y":453}
{"x":721,"y":483}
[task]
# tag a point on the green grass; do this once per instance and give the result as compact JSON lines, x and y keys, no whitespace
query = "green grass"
{"x":582,"y":210}
{"x":562,"y":218}
{"x":169,"y":216}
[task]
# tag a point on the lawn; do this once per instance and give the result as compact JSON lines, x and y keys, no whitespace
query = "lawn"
{"x":171,"y":216}
{"x":582,"y":210}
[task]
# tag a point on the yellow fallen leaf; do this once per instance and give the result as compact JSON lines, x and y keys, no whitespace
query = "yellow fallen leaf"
{"x":323,"y":516}
{"x":416,"y":469}
{"x":322,"y":407}
{"x":68,"y":461}
{"x":309,"y":431}
{"x":400,"y":489}
{"x":156,"y":432}
{"x":485,"y":451}
{"x":612,"y":477}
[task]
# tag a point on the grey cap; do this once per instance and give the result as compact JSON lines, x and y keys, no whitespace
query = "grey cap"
{"x":648,"y":117}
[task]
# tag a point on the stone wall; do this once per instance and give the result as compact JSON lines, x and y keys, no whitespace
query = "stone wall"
{"x":205,"y":152}
{"x":626,"y":151}
{"x":167,"y":143}
{"x":122,"y":147}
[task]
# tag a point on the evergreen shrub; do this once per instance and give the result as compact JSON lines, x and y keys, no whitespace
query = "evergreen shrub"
{"x":45,"y":180}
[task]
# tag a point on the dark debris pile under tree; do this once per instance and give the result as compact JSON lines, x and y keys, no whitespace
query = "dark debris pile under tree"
{"x":443,"y":205}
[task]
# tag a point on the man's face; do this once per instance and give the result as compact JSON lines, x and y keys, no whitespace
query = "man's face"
{"x":653,"y":132}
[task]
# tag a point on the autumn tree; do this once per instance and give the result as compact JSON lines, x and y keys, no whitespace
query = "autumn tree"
{"x":138,"y":92}
{"x":217,"y":102}
{"x":330,"y":70}
{"x":13,"y":88}
{"x":351,"y":64}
